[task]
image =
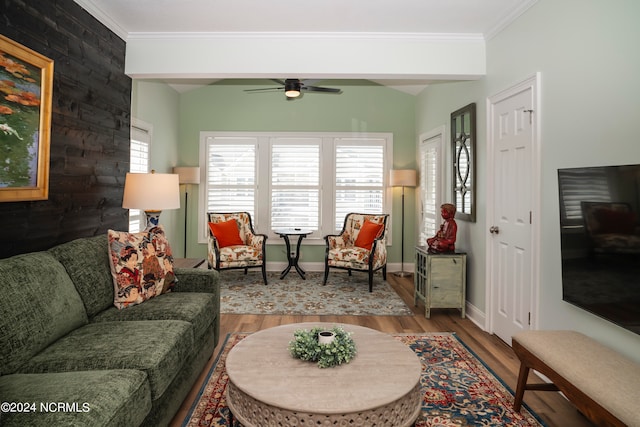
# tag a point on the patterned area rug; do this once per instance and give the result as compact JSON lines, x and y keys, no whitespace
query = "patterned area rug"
{"x":343,"y":295}
{"x":458,"y":389}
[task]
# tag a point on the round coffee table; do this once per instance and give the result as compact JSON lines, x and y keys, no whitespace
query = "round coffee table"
{"x":268,"y":387}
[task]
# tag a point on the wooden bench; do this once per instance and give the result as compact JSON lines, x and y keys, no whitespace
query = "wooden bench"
{"x":602,"y":384}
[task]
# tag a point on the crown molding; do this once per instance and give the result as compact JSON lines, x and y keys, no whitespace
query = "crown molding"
{"x":506,"y":20}
{"x":440,"y":37}
{"x":103,"y":17}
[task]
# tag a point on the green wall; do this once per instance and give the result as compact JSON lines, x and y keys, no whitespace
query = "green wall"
{"x":586,"y":52}
{"x":157,"y":104}
{"x":362,"y":107}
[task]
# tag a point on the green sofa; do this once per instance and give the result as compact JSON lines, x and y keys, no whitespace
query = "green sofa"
{"x":68,"y":357}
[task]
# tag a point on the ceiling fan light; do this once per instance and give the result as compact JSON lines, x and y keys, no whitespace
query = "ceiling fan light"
{"x":292,"y":88}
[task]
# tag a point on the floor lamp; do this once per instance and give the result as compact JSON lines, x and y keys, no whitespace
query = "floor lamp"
{"x":152,"y":193}
{"x":402,"y":178}
{"x":187,"y":175}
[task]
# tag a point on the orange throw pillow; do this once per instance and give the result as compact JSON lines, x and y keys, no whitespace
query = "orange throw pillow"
{"x":368,"y":232}
{"x":226,"y":233}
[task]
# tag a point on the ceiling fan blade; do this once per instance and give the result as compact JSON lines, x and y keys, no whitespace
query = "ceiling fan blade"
{"x":266,"y":89}
{"x":321,"y":89}
{"x":280,"y":82}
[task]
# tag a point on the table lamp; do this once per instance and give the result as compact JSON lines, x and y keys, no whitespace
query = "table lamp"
{"x":151,"y":193}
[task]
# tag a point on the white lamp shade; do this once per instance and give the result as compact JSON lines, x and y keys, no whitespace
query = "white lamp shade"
{"x":402,"y":178}
{"x":151,"y":191}
{"x":188,"y":174}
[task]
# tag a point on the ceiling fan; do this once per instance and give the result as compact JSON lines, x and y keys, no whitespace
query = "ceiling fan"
{"x":294,"y":87}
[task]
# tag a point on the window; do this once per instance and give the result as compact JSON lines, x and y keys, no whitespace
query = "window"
{"x":430,"y":152}
{"x":307,"y":180}
{"x":359,"y":177}
{"x":139,"y":161}
{"x":231,"y":175}
{"x":295,"y":183}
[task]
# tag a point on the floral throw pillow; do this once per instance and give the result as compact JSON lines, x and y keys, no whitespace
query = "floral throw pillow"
{"x":141,"y":265}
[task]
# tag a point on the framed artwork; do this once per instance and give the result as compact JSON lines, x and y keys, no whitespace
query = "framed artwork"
{"x":463,"y":140}
{"x":26,"y":85}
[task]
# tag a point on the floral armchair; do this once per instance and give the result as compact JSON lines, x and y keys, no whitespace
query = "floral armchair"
{"x":232,"y":246}
{"x":361,"y":246}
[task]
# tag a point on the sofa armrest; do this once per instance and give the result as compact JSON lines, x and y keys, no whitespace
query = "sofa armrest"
{"x":196,"y":280}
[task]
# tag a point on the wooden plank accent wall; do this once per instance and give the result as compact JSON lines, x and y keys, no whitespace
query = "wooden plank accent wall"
{"x":90,"y":126}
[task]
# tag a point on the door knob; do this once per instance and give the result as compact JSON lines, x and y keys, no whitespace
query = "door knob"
{"x":494,"y":229}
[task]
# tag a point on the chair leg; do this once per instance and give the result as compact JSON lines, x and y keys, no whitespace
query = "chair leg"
{"x":246,"y":270}
{"x":264,"y":273}
{"x":384,"y":272}
{"x":370,"y":280}
{"x":349,"y":272}
{"x":326,"y":274}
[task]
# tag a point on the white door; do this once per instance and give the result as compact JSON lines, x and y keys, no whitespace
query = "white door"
{"x":431,"y":183}
{"x":512,"y":147}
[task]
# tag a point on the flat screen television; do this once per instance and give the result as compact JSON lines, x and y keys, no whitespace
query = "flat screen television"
{"x":600,"y":241}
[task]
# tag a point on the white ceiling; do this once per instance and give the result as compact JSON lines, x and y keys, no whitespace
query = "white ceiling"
{"x":442,"y":18}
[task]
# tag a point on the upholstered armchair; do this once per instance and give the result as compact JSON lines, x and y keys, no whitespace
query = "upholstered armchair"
{"x":361,"y":246}
{"x":233,"y":243}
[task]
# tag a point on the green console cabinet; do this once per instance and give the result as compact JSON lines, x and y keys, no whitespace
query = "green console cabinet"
{"x":440,"y":280}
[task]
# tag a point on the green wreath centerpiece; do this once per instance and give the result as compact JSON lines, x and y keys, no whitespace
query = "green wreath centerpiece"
{"x":305,"y":346}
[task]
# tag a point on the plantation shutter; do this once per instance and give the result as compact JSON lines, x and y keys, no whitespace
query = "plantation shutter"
{"x":359,"y":177}
{"x":139,"y":161}
{"x":231,"y":175}
{"x":295,"y":183}
{"x":429,"y":186}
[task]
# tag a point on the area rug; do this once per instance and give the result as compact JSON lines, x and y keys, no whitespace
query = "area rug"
{"x":342,"y":295}
{"x":458,"y":388}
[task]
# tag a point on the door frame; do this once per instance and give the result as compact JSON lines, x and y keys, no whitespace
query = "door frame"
{"x":533,"y":83}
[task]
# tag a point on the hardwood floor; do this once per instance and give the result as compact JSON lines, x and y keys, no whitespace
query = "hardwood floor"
{"x":552,"y":407}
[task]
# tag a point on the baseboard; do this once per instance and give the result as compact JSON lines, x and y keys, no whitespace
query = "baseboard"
{"x":476,"y":315}
{"x":276,"y":266}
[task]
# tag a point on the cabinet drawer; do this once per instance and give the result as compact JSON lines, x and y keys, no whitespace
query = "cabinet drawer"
{"x":447,"y":269}
{"x":446,"y":296}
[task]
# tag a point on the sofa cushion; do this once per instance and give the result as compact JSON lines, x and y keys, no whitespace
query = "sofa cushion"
{"x":87,"y":263}
{"x":199,"y":309}
{"x":141,"y":265}
{"x":111,"y":398}
{"x":39,"y":305}
{"x":157,"y":347}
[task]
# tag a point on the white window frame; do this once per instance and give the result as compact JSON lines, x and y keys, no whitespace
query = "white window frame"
{"x":264,"y":141}
{"x":142,"y":134}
